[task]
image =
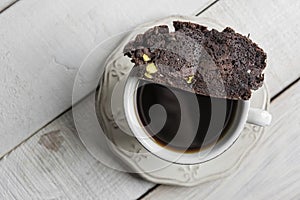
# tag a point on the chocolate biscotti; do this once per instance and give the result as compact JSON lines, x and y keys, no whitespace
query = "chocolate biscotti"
{"x":208,"y":62}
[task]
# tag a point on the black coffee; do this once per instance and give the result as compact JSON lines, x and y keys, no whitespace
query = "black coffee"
{"x":181,"y":120}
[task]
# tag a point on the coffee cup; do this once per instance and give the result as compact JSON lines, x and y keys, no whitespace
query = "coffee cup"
{"x":182,"y":127}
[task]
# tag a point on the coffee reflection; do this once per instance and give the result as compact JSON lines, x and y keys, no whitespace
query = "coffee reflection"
{"x":163,"y":110}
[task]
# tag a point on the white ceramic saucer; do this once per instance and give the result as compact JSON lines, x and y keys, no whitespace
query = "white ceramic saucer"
{"x":132,"y":153}
{"x":147,"y":165}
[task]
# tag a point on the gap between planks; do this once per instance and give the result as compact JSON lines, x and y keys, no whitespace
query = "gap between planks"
{"x":286,"y":88}
{"x":6,"y":4}
{"x":210,"y":5}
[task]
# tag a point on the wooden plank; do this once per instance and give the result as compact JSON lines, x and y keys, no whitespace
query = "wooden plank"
{"x":271,"y":171}
{"x":54,"y":164}
{"x":42,"y":44}
{"x":6,"y":3}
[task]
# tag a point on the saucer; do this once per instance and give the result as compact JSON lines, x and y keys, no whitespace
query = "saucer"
{"x":135,"y":156}
{"x":132,"y":153}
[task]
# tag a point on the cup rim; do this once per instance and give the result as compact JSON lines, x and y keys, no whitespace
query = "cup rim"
{"x":140,"y":134}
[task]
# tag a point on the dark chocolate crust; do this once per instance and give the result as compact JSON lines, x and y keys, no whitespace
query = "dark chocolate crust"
{"x":208,"y":62}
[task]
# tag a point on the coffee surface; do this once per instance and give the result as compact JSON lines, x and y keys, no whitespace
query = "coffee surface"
{"x":180,"y":120}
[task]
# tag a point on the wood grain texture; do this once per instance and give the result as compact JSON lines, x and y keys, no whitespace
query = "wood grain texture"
{"x":271,"y":171}
{"x":39,"y":61}
{"x":5,"y":3}
{"x":41,"y":51}
{"x":55,"y":165}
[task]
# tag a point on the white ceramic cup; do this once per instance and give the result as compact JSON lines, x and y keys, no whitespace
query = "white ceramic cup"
{"x":243,"y":114}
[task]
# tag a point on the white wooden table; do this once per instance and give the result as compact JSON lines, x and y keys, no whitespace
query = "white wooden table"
{"x":43,"y":42}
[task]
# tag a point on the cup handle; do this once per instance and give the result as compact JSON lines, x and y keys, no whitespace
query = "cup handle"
{"x":259,"y":117}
